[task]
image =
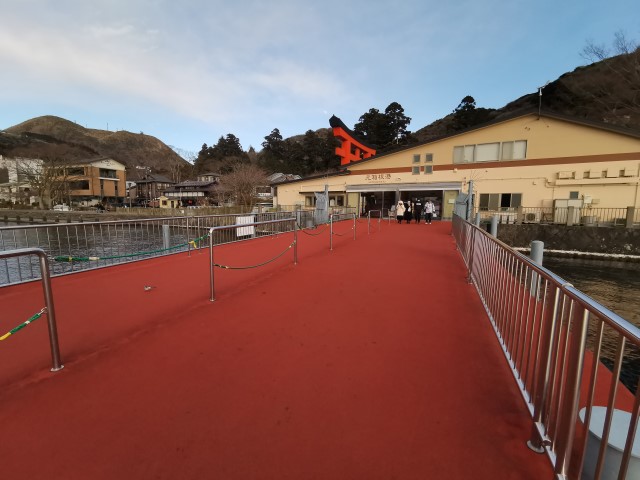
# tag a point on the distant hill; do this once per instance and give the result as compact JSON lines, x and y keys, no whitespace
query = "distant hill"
{"x":55,"y":137}
{"x":606,"y":91}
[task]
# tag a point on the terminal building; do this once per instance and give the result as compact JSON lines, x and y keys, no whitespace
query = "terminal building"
{"x":535,"y":159}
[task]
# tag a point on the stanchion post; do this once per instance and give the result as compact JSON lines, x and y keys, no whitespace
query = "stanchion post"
{"x":331,"y":232}
{"x":51,"y":313}
{"x":188,"y":242}
{"x":354,"y":226}
{"x":212,"y":298}
{"x":295,"y":241}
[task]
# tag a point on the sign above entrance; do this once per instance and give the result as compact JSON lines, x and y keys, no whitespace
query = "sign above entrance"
{"x":378,"y":178}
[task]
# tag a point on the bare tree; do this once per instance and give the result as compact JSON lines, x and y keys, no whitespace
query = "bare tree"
{"x":48,"y":178}
{"x":241,"y":183}
{"x":617,"y":87}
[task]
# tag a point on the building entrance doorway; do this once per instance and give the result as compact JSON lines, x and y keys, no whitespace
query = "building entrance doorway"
{"x":417,"y":199}
{"x":376,"y":201}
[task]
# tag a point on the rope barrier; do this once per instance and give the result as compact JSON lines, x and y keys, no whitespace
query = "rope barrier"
{"x":312,"y":234}
{"x":23,"y":324}
{"x":136,"y":254}
{"x":341,"y":234}
{"x":258,"y":265}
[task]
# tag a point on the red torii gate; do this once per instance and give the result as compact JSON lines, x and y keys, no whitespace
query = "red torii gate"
{"x":350,"y":150}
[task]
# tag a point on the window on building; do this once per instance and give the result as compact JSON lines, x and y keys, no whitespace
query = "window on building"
{"x":487,"y":152}
{"x":514,"y":150}
{"x":415,"y":170}
{"x":79,"y":185}
{"x":428,"y":169}
{"x":310,"y":201}
{"x":463,"y":154}
{"x":574,"y":195}
{"x":108,"y":173}
{"x":336,"y":200}
{"x":428,"y":158}
{"x":75,"y":171}
{"x":416,"y":158}
{"x":499,"y":201}
{"x":4,"y":175}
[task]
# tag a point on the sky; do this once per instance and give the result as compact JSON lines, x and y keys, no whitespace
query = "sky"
{"x":191,"y":71}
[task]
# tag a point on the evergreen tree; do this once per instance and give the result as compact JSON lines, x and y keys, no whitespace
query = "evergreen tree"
{"x":466,"y":115}
{"x":272,"y":157}
{"x":384,"y":131}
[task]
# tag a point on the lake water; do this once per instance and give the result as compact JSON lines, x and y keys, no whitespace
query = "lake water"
{"x":614,"y":284}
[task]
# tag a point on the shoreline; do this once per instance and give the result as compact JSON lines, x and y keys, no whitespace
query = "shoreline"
{"x":584,"y":255}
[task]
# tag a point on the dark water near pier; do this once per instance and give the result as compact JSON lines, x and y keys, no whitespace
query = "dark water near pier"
{"x":614,"y":284}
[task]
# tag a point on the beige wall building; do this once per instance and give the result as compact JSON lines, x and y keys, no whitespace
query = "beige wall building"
{"x":528,"y":160}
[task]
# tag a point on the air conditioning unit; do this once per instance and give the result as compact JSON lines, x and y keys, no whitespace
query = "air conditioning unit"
{"x":565,"y":175}
{"x":532,"y":217}
{"x":595,"y":174}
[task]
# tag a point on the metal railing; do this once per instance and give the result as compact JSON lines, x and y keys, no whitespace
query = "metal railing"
{"x":245,"y":229}
{"x":48,"y":299}
{"x":569,"y":355}
{"x":586,"y":215}
{"x":82,"y":246}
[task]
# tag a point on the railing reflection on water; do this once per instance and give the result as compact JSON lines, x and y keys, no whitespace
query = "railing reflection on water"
{"x":553,"y":338}
{"x":102,"y":244}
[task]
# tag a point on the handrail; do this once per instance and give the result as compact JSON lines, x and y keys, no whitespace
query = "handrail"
{"x":48,"y":299}
{"x":553,"y":337}
{"x":212,"y":297}
{"x":109,"y":243}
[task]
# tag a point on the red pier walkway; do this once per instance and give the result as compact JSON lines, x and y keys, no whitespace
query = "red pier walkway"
{"x":371,"y":361}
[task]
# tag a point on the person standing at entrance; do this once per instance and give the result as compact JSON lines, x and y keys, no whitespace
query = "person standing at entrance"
{"x":429,"y":208}
{"x":400,"y":211}
{"x":417,"y":210}
{"x":407,"y":213}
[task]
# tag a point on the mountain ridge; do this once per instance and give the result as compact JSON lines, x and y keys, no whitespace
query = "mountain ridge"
{"x":606,"y":91}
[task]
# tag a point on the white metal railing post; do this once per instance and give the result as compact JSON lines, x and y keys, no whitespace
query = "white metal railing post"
{"x":471,"y":252}
{"x":369,"y":222}
{"x":567,"y":424}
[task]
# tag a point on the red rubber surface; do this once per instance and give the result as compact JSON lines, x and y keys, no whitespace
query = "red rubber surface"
{"x":371,"y":361}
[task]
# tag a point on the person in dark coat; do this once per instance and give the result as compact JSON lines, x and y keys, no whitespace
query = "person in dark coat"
{"x":417,"y":210}
{"x":408,"y":213}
